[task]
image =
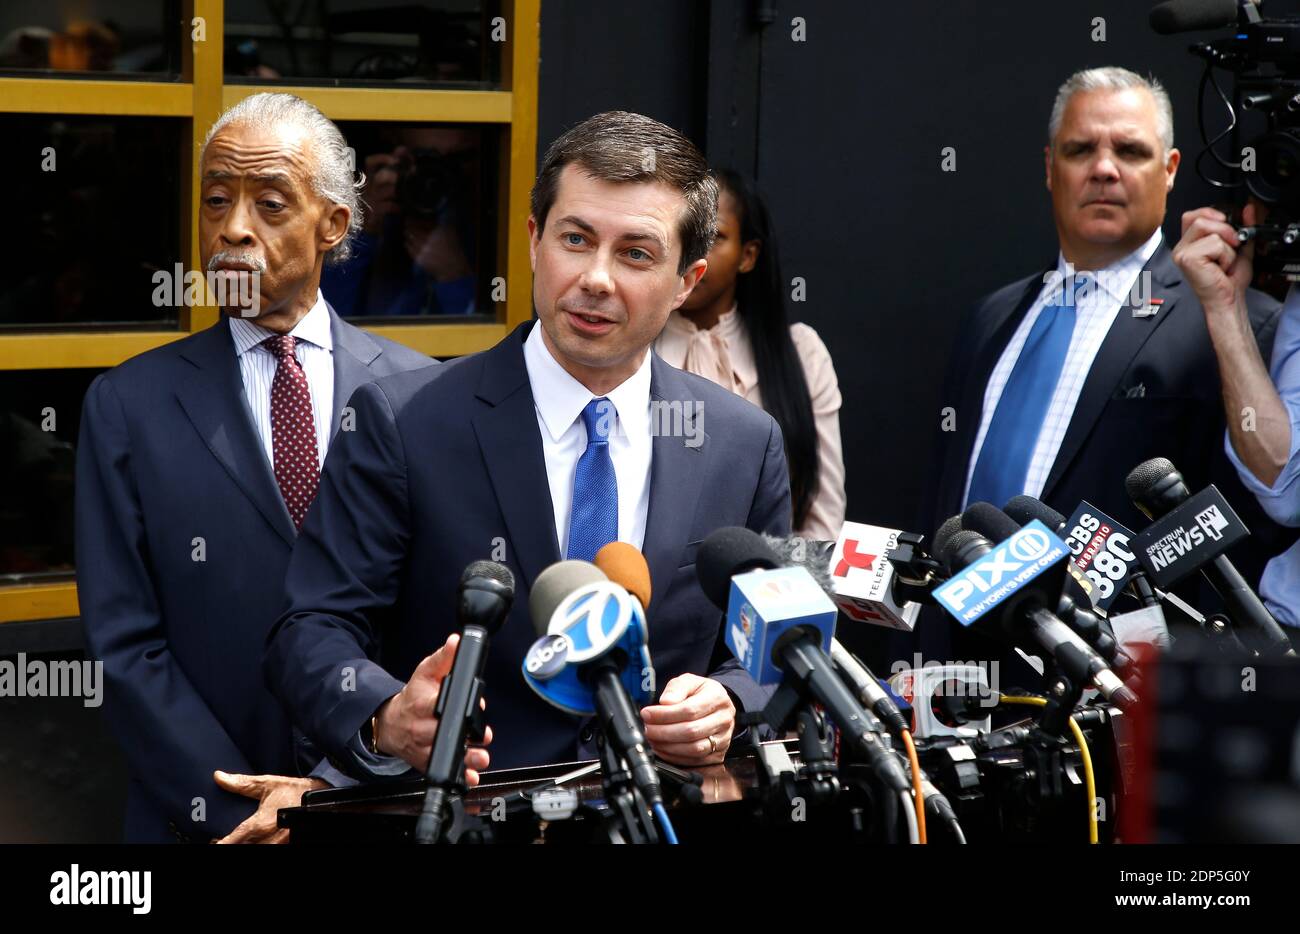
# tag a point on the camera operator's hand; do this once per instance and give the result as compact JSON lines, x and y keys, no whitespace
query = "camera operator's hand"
{"x":380,"y":195}
{"x":406,"y":726}
{"x":436,"y":248}
{"x":1216,"y":265}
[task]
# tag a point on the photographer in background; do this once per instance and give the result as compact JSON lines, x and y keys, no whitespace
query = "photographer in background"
{"x":415,"y":255}
{"x":1262,"y":404}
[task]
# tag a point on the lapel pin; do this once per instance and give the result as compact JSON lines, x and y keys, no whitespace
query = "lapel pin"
{"x":1149,"y":309}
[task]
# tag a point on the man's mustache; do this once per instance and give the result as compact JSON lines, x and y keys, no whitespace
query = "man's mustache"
{"x":252,"y":260}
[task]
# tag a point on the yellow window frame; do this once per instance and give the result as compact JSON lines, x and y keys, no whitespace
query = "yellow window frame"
{"x":200,"y":96}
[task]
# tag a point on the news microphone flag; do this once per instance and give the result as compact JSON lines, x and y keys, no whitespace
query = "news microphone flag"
{"x":766,"y":606}
{"x":1188,"y":537}
{"x":862,"y":577}
{"x":996,"y":577}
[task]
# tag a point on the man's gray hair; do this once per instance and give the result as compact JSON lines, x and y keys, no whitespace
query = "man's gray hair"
{"x":333,"y":176}
{"x":1113,"y":79}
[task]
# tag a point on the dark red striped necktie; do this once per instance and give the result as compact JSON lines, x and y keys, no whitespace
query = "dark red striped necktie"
{"x":293,"y":430}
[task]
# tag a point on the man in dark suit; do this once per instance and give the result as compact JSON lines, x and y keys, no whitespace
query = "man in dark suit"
{"x":1062,"y":382}
{"x":541,"y":448}
{"x":195,"y":465}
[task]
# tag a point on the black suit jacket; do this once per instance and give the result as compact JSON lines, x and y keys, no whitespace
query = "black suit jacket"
{"x":448,"y":468}
{"x":182,"y":543}
{"x":1153,"y":391}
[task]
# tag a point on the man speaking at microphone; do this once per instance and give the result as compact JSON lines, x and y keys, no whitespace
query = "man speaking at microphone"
{"x":567,"y":435}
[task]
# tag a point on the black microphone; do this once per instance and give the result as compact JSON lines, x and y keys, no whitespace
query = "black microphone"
{"x":796,"y":652}
{"x":1025,"y":509}
{"x":484,"y":598}
{"x":1158,"y":489}
{"x":1074,"y":604}
{"x":1175,"y":16}
{"x":1024,"y":617}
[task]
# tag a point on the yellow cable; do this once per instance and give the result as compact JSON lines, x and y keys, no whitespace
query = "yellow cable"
{"x":916,"y":785}
{"x":1089,"y":781}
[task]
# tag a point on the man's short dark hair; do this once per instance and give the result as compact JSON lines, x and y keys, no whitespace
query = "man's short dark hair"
{"x":617,"y":146}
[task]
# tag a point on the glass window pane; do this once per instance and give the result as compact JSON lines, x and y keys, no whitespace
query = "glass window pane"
{"x":96,"y":210}
{"x":452,"y":43}
{"x":429,"y":243}
{"x":40,"y":415}
{"x":67,"y":38}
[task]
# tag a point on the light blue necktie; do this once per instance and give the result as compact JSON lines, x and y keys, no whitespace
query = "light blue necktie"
{"x":1009,"y":444}
{"x":593,"y":520}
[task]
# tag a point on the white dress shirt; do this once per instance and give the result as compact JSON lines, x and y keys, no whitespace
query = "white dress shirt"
{"x":559,"y":400}
{"x":1095,"y":311}
{"x":315,"y":352}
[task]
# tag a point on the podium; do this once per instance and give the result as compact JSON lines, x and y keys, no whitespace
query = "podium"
{"x":507,"y":803}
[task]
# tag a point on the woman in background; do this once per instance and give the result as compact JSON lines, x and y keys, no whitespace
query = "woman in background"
{"x":733,"y":330}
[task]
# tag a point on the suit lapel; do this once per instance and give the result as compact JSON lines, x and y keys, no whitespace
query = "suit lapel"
{"x":1126,"y":337}
{"x":676,"y":477}
{"x":511,"y":443}
{"x":214,"y":401}
{"x":354,"y":352}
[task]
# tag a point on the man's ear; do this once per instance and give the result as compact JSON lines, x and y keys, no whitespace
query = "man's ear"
{"x":749,"y":255}
{"x":1047,"y":166}
{"x":690,"y":278}
{"x":333,"y":226}
{"x":534,"y":237}
{"x":1171,"y":167}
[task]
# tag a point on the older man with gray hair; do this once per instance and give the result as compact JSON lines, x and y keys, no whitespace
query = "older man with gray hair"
{"x":196,"y":465}
{"x":1065,"y":380}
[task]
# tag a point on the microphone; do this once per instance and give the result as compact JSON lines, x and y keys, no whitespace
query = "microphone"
{"x":1190,"y":533}
{"x":1020,"y":577}
{"x":592,"y":658}
{"x":779,"y":625}
{"x":865,"y":686}
{"x":626,"y":566}
{"x":1175,"y":16}
{"x":1117,"y":541}
{"x":1073,"y":605}
{"x":483,"y":600}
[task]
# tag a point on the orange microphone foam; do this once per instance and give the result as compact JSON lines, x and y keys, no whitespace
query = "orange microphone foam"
{"x":626,"y":566}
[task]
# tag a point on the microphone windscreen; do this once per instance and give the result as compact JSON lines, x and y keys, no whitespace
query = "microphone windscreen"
{"x":554,"y":584}
{"x":493,"y":571}
{"x":1025,"y":509}
{"x":989,"y":521}
{"x":813,"y":555}
{"x":1176,"y":16}
{"x":626,"y":566}
{"x":955,"y":544}
{"x":1144,"y":478}
{"x":726,"y":553}
{"x":950,"y":527}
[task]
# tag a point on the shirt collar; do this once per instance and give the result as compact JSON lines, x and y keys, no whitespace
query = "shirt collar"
{"x":1116,"y":280}
{"x":314,"y":328}
{"x":560,"y":398}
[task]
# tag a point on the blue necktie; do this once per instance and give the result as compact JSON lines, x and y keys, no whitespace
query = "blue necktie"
{"x":1009,"y":444}
{"x":593,"y":520}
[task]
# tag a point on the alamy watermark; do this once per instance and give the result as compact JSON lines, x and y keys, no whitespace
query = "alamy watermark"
{"x":26,"y":677}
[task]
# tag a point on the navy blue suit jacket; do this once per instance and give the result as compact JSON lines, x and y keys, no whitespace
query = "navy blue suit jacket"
{"x":169,"y":455}
{"x":447,"y":468}
{"x":1153,"y":391}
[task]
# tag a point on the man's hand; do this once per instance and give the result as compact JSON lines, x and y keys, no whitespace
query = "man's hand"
{"x":692,"y":723}
{"x":272,"y":792}
{"x":406,"y":724}
{"x":1218,"y":268}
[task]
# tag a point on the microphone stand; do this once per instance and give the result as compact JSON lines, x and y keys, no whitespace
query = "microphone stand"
{"x":628,"y":807}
